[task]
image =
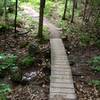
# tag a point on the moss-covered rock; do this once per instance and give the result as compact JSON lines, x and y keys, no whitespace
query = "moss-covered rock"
{"x":33,"y":49}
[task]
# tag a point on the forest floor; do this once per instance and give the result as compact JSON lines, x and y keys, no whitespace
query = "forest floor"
{"x":79,"y":58}
{"x":35,"y":77}
{"x":35,"y":82}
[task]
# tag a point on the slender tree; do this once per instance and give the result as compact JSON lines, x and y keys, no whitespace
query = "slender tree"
{"x":40,"y":29}
{"x":5,"y":9}
{"x":73,"y":11}
{"x":15,"y":22}
{"x":64,"y":15}
{"x":76,"y":4}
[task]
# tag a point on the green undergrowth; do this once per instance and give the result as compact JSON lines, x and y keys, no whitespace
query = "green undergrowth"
{"x":95,"y":63}
{"x":95,"y":66}
{"x":95,"y":83}
{"x":26,"y":61}
{"x":8,"y":61}
{"x":48,"y":6}
{"x":4,"y":89}
{"x":46,"y":35}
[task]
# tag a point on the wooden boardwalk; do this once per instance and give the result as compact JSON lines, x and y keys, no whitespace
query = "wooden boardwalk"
{"x":61,"y":82}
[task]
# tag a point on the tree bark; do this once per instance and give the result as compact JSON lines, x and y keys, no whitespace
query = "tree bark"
{"x":73,"y":10}
{"x":64,"y":15}
{"x":40,"y":29}
{"x":15,"y":22}
{"x":75,"y":4}
{"x":86,"y":2}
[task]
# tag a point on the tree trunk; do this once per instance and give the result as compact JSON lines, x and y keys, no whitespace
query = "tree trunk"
{"x":64,"y":15}
{"x":75,"y":4}
{"x":40,"y":30}
{"x":16,"y":7}
{"x":86,"y":2}
{"x":73,"y":10}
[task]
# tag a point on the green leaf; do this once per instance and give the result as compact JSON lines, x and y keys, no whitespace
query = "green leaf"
{"x":4,"y":88}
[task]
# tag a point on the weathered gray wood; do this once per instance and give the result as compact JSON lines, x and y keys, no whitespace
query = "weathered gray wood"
{"x":61,"y":82}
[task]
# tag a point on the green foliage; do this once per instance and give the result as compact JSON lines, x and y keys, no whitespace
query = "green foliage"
{"x":48,"y":8}
{"x":95,"y":83}
{"x":3,"y":97}
{"x":85,"y":39}
{"x":9,"y":4}
{"x":7,"y":62}
{"x":3,"y":27}
{"x":62,"y":24}
{"x":97,"y":22}
{"x":96,"y":2}
{"x":4,"y":88}
{"x":95,"y":63}
{"x":46,"y":34}
{"x":36,"y":3}
{"x":1,"y":7}
{"x":6,"y":7}
{"x":97,"y":43}
{"x":26,"y":62}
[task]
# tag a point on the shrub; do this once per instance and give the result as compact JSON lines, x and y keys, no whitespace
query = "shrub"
{"x":1,"y":7}
{"x":7,"y":62}
{"x":25,"y":62}
{"x":95,"y":63}
{"x":4,"y":89}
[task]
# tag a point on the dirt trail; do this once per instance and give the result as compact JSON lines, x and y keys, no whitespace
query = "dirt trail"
{"x":55,"y":31}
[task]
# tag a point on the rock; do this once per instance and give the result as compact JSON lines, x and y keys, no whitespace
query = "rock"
{"x":28,"y":77}
{"x":33,"y":49}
